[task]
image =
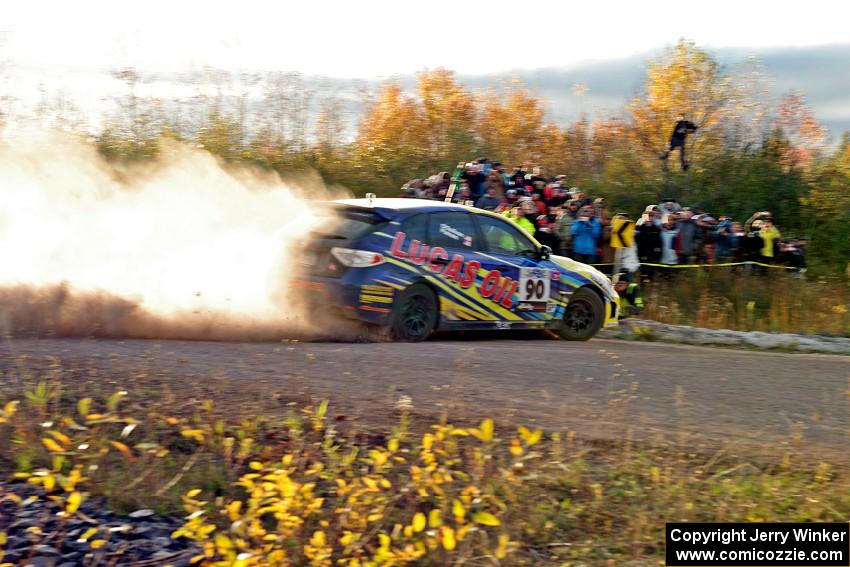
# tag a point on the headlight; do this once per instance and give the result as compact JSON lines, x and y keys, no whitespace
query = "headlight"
{"x":357,"y":258}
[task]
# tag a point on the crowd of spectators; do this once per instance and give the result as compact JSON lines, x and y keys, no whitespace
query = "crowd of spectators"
{"x":579,"y":226}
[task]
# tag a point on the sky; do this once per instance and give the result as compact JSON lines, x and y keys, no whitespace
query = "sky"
{"x":373,"y":39}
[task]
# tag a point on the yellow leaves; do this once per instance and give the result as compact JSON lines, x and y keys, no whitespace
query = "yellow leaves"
{"x":9,"y":410}
{"x":502,"y":549}
{"x":418,"y":522}
{"x":530,"y":438}
{"x":348,"y":537}
{"x":87,"y":535}
{"x":233,"y":510}
{"x":125,"y":450}
{"x":114,"y":400}
{"x":516,"y":448}
{"x":285,"y":509}
{"x":484,"y":432}
{"x":379,"y":458}
{"x":427,"y":441}
{"x":447,"y":538}
{"x":83,"y":407}
{"x":222,"y":543}
{"x":318,"y":539}
{"x":458,"y":511}
{"x":196,"y":434}
{"x":72,"y":504}
{"x":60,"y":437}
{"x":52,"y":445}
{"x":74,"y":478}
{"x":655,"y":474}
{"x":485,"y":519}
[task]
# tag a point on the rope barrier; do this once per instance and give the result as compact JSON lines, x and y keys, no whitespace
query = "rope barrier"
{"x":720,"y":265}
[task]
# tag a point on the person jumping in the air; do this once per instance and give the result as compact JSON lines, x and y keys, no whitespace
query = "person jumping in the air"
{"x":677,"y":140}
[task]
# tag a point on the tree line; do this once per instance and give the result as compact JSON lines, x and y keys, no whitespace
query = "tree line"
{"x":749,"y":152}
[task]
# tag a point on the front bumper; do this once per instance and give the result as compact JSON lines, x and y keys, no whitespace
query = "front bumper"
{"x":612,"y":312}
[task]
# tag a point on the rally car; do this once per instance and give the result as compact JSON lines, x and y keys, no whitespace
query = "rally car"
{"x":416,"y":266}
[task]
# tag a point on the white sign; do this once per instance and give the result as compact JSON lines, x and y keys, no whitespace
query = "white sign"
{"x":534,"y":285}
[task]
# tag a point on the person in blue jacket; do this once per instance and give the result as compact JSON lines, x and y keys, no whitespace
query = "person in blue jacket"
{"x":585,"y":230}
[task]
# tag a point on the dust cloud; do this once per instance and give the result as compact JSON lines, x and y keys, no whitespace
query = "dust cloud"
{"x":183,"y":247}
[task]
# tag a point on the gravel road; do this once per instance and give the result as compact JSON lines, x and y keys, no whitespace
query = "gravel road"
{"x":700,"y":397}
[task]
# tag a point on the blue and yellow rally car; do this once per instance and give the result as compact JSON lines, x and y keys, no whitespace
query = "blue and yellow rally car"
{"x":416,"y":266}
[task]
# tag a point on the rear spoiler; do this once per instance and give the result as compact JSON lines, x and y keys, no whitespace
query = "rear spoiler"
{"x":380,"y":213}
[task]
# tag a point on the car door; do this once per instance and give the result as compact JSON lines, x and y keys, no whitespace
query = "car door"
{"x":513,"y":255}
{"x":452,"y":241}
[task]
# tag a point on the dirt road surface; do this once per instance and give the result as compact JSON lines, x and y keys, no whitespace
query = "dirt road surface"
{"x":698,"y":397}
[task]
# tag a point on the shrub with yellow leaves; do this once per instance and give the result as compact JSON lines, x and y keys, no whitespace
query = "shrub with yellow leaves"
{"x":298,"y":491}
{"x":437,"y":500}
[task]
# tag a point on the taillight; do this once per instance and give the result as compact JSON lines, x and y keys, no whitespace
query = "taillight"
{"x":357,"y":258}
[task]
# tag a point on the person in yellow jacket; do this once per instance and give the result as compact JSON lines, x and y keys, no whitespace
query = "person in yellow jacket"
{"x":517,"y":216}
{"x":769,"y":234}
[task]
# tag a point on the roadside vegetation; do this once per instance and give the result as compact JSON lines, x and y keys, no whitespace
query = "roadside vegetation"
{"x":302,"y":485}
{"x":718,"y":298}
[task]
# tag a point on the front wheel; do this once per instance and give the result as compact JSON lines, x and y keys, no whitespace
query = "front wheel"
{"x":414,"y":314}
{"x":584,"y":316}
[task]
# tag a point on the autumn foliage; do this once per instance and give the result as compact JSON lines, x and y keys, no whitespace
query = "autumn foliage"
{"x":751,"y":151}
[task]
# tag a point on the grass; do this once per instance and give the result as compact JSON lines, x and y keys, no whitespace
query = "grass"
{"x":724,"y":299}
{"x":272,"y":481}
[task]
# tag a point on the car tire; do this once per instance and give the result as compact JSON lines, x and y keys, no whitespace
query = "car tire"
{"x":583,"y":317}
{"x":414,"y":315}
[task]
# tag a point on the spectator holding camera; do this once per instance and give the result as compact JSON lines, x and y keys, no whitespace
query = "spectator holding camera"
{"x":585,"y":231}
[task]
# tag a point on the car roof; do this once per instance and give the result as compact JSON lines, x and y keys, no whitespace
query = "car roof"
{"x":397,"y":208}
{"x":393,"y":208}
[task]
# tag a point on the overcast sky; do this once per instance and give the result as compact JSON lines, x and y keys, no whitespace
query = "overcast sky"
{"x":379,"y":38}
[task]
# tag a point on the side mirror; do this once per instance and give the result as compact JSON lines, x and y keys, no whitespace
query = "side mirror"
{"x":544,"y":252}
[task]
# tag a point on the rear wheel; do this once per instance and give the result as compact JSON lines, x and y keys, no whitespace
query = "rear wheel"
{"x":584,"y":316}
{"x":414,"y":314}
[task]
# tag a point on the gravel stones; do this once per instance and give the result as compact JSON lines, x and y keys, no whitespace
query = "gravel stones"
{"x":36,"y":537}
